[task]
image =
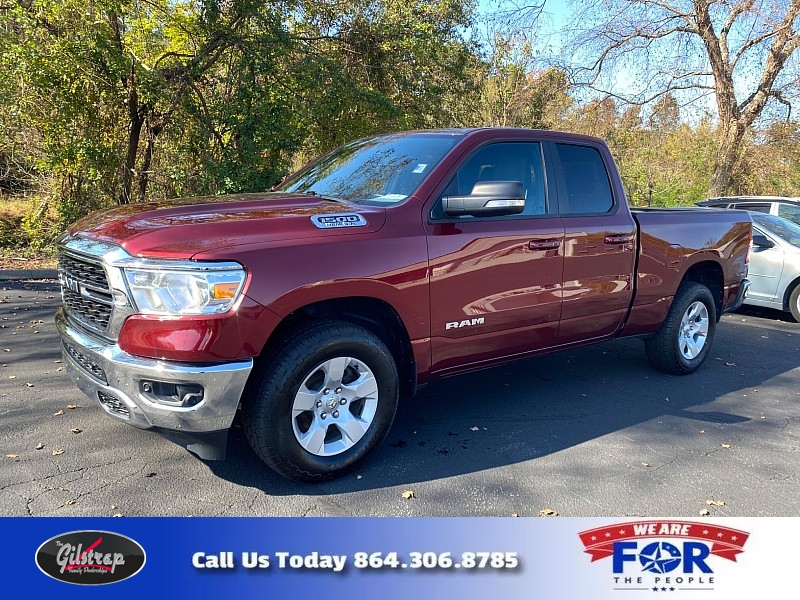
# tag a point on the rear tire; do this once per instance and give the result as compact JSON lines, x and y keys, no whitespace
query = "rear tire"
{"x":324,"y":398}
{"x":684,"y":339}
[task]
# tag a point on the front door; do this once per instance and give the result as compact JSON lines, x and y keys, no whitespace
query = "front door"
{"x":495,"y":282}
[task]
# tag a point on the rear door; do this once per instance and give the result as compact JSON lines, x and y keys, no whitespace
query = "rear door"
{"x":495,"y":282}
{"x":599,"y":243}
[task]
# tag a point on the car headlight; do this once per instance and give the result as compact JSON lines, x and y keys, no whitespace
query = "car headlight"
{"x":197,"y":289}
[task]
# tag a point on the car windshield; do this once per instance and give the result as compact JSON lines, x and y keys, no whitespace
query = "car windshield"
{"x":381,"y":170}
{"x":786,"y":230}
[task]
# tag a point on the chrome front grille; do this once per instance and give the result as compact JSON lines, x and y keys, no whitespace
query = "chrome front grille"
{"x":83,"y":270}
{"x":86,"y":291}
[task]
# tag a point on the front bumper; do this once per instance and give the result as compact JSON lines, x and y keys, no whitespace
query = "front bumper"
{"x":112,"y":378}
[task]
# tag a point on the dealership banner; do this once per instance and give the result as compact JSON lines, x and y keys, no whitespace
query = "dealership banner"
{"x":401,"y":558}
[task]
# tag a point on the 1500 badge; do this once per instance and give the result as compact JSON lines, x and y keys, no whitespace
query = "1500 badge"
{"x":341,"y":220}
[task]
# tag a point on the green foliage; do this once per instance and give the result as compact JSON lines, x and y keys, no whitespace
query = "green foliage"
{"x":116,"y":101}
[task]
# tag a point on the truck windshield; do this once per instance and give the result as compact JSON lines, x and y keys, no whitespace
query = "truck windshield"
{"x":383,"y":170}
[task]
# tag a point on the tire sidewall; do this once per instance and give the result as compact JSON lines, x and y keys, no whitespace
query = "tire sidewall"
{"x":281,"y":430}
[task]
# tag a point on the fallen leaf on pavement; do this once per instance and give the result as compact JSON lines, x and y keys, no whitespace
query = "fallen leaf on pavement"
{"x":715,"y":502}
{"x":645,"y":464}
{"x":12,"y":455}
{"x":704,"y":512}
{"x":71,"y":406}
{"x":57,"y":452}
{"x":408,"y":494}
{"x":69,"y":502}
{"x":118,"y":514}
{"x":725,"y":445}
{"x":474,"y":428}
{"x":58,"y":414}
{"x":76,"y":430}
{"x":29,"y":384}
{"x":514,"y":514}
{"x":39,"y":446}
{"x":548,"y":512}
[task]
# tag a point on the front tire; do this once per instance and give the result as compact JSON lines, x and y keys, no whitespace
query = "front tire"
{"x":684,"y":339}
{"x":322,"y":401}
{"x":794,"y":303}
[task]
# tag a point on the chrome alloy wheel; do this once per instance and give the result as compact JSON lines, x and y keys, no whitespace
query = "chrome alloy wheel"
{"x":335,"y":405}
{"x":694,"y":330}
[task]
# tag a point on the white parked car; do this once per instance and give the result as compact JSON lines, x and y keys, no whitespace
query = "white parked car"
{"x":788,"y":208}
{"x":775,"y":264}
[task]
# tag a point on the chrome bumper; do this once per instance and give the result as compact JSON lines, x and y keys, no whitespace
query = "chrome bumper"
{"x":744,"y":288}
{"x":111,"y":377}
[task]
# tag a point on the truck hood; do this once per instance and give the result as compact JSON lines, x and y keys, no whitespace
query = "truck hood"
{"x":185,"y":227}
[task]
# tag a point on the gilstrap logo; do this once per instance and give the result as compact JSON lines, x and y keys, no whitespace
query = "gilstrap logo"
{"x":90,"y":557}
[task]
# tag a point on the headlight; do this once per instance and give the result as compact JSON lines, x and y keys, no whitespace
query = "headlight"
{"x":201,"y":289}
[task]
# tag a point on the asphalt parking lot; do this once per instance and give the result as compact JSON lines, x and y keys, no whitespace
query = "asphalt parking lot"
{"x":591,"y":432}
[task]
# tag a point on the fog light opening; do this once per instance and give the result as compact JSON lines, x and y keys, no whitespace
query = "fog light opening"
{"x":170,"y":393}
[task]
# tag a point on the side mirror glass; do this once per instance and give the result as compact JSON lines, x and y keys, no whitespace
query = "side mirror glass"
{"x":761,"y":241}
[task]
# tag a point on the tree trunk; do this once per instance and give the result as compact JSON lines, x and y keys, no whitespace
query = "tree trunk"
{"x":727,"y":155}
{"x":137,"y":118}
{"x":147,"y":159}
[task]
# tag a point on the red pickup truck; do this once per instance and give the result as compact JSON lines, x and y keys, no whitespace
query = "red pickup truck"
{"x":383,"y":264}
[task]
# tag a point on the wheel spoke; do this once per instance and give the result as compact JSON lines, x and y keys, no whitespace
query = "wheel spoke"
{"x":353,"y":429}
{"x":694,"y":311}
{"x":363,"y":387}
{"x":334,"y":369}
{"x":692,"y":347}
{"x":314,"y":439}
{"x":304,"y":400}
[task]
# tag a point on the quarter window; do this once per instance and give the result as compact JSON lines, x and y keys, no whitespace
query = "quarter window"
{"x":790,"y":212}
{"x":762,"y":208}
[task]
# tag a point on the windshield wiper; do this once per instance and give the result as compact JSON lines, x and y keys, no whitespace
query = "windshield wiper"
{"x":324,"y":197}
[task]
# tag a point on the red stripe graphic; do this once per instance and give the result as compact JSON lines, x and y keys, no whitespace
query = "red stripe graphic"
{"x":725,"y":542}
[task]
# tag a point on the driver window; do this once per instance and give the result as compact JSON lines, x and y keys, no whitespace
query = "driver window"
{"x":503,"y":161}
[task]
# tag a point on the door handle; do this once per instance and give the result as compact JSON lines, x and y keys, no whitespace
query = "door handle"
{"x":618,"y":238}
{"x":544,"y":244}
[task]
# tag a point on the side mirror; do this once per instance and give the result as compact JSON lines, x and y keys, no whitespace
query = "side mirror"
{"x":761,"y":241}
{"x":488,"y":199}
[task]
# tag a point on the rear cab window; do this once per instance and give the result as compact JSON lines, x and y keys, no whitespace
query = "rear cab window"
{"x":586,"y":181}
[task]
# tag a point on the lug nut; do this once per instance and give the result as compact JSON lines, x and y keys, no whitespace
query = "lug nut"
{"x":323,"y":415}
{"x":326,"y":391}
{"x":343,"y":401}
{"x":319,"y":404}
{"x":338,"y":390}
{"x":336,"y":414}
